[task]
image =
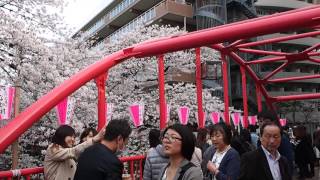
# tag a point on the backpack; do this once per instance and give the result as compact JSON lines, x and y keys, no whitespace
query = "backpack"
{"x":184,"y":169}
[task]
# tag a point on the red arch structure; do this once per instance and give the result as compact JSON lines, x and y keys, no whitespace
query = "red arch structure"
{"x":236,"y":34}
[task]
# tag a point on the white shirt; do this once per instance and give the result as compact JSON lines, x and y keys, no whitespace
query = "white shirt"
{"x":218,"y":156}
{"x":273,"y":164}
{"x":164,"y":177}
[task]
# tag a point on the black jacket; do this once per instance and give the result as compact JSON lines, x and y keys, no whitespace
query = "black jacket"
{"x":99,"y":163}
{"x":304,"y":153}
{"x":254,"y":165}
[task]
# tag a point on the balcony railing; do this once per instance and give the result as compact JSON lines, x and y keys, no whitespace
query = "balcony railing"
{"x":142,"y":20}
{"x":119,"y":8}
{"x":108,"y":17}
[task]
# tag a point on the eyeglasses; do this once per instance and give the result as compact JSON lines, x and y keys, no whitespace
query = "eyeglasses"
{"x":171,"y":139}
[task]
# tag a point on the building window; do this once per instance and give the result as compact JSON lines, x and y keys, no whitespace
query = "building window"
{"x":306,"y":89}
{"x":211,"y":70}
{"x":290,"y":88}
{"x":305,"y":69}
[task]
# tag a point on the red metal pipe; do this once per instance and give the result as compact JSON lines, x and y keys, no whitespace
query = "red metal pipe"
{"x":314,"y":60}
{"x":279,"y":39}
{"x":23,"y":172}
{"x":262,"y":52}
{"x":233,"y":31}
{"x":314,"y":54}
{"x":34,"y":112}
{"x":132,"y":158}
{"x":248,"y":69}
{"x":199,"y":88}
{"x":140,"y":170}
{"x":162,"y":97}
{"x":101,"y":84}
{"x":39,"y":170}
{"x":316,"y":46}
{"x":296,"y":97}
{"x":235,"y":43}
{"x":131,"y":170}
{"x":244,"y":96}
{"x":275,"y":71}
{"x":225,"y":87}
{"x":307,"y":17}
{"x":266,"y":60}
{"x":252,"y":74}
{"x":258,"y":95}
{"x":279,"y":80}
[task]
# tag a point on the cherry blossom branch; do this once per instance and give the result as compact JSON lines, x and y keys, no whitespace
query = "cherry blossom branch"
{"x":8,"y":74}
{"x":5,"y":3}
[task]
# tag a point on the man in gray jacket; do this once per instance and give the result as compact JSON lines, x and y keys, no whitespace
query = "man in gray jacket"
{"x":156,"y":159}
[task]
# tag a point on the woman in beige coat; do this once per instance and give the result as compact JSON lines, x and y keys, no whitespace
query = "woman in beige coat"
{"x":59,"y":162}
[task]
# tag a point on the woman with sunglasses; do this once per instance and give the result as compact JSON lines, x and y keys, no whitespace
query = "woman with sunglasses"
{"x":221,"y":161}
{"x":178,"y":143}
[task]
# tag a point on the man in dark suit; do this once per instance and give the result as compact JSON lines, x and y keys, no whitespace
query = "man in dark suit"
{"x":266,"y":163}
{"x":285,"y":148}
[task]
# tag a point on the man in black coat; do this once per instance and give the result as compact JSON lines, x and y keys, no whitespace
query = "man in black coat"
{"x":265,"y":163}
{"x":285,"y":149}
{"x":99,"y":161}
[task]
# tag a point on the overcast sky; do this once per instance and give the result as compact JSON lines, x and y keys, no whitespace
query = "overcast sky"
{"x":79,"y":12}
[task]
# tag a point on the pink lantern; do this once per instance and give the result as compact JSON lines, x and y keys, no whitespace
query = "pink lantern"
{"x":65,"y":111}
{"x":6,"y":102}
{"x":283,"y":122}
{"x":136,"y":112}
{"x":236,"y":118}
{"x":252,"y":120}
{"x":183,"y":115}
{"x":215,"y":117}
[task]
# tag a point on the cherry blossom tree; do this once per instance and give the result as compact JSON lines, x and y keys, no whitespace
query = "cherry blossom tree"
{"x":36,"y":53}
{"x":136,"y":80}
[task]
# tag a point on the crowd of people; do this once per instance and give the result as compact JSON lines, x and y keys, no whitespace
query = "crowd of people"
{"x":220,"y":152}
